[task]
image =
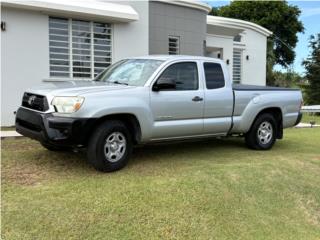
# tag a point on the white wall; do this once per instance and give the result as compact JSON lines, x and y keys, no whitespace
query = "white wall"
{"x":224,"y":42}
{"x":24,"y":57}
{"x":132,"y":39}
{"x":254,"y":69}
{"x":254,"y":45}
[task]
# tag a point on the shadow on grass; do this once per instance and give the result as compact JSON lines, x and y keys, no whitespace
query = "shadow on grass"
{"x":191,"y":148}
{"x":34,"y":159}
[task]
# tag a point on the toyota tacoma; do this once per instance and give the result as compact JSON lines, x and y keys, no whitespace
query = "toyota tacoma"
{"x":154,"y":99}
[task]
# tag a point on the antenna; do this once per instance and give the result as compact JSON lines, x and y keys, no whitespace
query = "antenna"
{"x":276,"y":37}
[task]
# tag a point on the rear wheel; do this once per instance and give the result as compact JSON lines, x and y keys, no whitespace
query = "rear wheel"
{"x":262,"y":134}
{"x":110,"y":146}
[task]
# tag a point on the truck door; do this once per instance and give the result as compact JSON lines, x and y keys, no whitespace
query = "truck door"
{"x":218,"y":105}
{"x":178,"y":110}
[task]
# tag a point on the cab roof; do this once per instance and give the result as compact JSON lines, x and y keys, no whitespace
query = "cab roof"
{"x":177,"y":57}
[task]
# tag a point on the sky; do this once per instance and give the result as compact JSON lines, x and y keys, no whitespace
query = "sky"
{"x":310,"y":17}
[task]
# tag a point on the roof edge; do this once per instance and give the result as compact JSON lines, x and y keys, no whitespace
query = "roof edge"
{"x":189,"y":3}
{"x":237,"y":23}
{"x":113,"y":11}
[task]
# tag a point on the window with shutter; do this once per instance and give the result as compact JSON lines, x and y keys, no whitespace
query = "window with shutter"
{"x":237,"y":65}
{"x":174,"y":45}
{"x":79,"y":49}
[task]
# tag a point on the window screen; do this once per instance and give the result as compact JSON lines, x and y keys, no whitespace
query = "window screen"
{"x":81,"y":49}
{"x":214,"y":75}
{"x":102,"y":46}
{"x":237,"y":65}
{"x":59,"y":47}
{"x":184,"y":74}
{"x":174,"y":45}
{"x":78,"y":49}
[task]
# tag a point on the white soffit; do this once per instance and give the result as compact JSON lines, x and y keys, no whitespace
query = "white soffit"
{"x":189,"y":3}
{"x":236,"y":24}
{"x":223,"y":30}
{"x":91,"y":9}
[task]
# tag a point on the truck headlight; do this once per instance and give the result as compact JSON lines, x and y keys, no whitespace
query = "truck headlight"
{"x":67,"y":104}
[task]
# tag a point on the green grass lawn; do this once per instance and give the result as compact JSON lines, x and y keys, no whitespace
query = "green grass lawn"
{"x":216,"y":189}
{"x":308,"y":117}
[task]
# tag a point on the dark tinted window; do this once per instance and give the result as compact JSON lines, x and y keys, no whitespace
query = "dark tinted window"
{"x":214,"y":75}
{"x":237,"y":38}
{"x":184,"y":74}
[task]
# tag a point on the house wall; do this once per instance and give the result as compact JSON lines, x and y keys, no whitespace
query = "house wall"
{"x":24,"y":57}
{"x":187,"y":23}
{"x":254,"y":45}
{"x":131,"y":39}
{"x":254,"y":70}
{"x":224,"y":42}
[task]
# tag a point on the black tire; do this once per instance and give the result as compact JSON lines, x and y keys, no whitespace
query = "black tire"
{"x":54,"y":148}
{"x":97,"y":150}
{"x":254,"y":138}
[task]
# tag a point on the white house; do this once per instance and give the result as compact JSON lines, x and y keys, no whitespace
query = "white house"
{"x":56,"y":40}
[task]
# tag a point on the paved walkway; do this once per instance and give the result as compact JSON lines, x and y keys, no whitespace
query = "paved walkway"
{"x":6,"y":134}
{"x":306,"y":125}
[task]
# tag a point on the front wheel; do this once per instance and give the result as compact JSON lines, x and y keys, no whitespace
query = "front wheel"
{"x":262,"y":134}
{"x":110,"y":146}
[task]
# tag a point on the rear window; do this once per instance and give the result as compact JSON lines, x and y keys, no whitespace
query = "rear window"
{"x":214,"y":75}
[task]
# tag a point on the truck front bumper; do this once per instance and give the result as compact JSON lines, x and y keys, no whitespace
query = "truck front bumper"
{"x":56,"y":131}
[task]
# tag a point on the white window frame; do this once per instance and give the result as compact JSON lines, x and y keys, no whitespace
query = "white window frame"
{"x":91,"y":49}
{"x":177,"y":48}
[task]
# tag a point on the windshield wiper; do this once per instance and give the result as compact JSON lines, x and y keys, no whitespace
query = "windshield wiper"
{"x":120,"y":83}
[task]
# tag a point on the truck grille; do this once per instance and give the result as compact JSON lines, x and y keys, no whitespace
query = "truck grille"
{"x":34,"y":101}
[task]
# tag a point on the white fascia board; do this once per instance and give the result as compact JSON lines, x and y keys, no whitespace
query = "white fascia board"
{"x":82,"y":8}
{"x":238,"y":24}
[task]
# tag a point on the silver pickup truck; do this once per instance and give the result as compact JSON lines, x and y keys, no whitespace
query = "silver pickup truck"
{"x":152,"y":99}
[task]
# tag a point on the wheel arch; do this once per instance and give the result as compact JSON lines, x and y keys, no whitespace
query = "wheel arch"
{"x":276,"y":112}
{"x":129,"y":119}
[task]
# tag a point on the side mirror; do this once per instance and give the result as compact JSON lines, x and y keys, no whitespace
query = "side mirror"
{"x":164,"y":83}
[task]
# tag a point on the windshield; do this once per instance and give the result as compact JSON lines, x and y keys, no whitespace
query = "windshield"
{"x":133,"y":72}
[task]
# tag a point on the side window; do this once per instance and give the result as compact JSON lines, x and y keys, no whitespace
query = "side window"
{"x":214,"y":75}
{"x":185,"y":75}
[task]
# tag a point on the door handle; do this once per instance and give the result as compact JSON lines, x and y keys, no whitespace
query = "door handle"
{"x":197,"y":99}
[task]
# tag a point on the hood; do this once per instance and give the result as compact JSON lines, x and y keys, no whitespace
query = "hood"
{"x":74,"y":88}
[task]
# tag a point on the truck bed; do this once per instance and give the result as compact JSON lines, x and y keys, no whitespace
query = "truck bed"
{"x":245,"y":87}
{"x":250,"y":99}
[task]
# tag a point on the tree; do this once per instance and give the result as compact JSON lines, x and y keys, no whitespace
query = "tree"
{"x":312,"y":66}
{"x":278,"y":17}
{"x":287,"y":79}
{"x":214,"y":11}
